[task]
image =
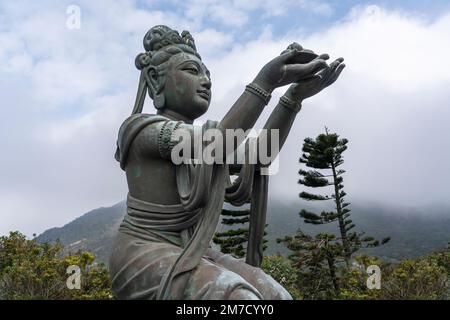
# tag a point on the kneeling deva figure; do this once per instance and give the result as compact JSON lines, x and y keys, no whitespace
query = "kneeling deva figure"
{"x":162,"y":250}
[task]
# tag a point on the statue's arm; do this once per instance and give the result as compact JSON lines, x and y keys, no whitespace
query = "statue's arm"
{"x":281,"y":118}
{"x":157,"y":139}
{"x":146,"y":141}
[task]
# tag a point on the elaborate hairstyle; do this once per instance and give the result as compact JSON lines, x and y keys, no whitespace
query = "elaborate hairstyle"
{"x":160,"y":43}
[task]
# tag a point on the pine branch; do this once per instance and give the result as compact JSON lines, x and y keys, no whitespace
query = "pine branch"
{"x":235,"y":213}
{"x":313,"y":197}
{"x":235,"y":221}
{"x":231,"y":233}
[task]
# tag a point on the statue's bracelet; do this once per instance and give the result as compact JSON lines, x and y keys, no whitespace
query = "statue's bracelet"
{"x":290,"y":104}
{"x":259,"y":92}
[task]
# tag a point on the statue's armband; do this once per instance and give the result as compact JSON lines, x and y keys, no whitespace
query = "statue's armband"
{"x":174,"y":141}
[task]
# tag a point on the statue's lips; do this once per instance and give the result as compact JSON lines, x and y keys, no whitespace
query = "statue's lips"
{"x":204,"y":94}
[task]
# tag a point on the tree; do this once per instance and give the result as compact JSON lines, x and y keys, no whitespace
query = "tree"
{"x":315,"y":259}
{"x":318,"y":257}
{"x":234,"y":239}
{"x":31,"y":270}
{"x":324,"y":156}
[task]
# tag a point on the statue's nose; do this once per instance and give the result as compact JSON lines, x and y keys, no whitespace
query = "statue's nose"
{"x":206,"y":82}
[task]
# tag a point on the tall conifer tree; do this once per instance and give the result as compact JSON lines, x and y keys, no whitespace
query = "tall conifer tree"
{"x":320,"y":256}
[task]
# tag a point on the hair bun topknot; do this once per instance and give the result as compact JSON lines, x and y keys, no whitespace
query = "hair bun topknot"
{"x":162,"y":36}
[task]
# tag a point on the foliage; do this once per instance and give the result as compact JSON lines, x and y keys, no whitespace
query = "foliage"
{"x":315,"y":260}
{"x":30,"y":270}
{"x":354,"y":280}
{"x":426,"y":278}
{"x":283,"y":272}
{"x":234,"y":240}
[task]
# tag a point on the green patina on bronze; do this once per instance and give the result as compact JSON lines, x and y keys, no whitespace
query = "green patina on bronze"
{"x":162,"y":250}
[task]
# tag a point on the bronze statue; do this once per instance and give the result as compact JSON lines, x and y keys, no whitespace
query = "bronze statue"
{"x":162,"y":250}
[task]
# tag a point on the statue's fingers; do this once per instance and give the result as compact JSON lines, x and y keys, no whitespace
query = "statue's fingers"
{"x":295,"y":45}
{"x":307,"y":50}
{"x":292,"y":47}
{"x":302,"y":70}
{"x":288,"y":54}
{"x":323,"y":56}
{"x":315,"y":80}
{"x":320,"y":76}
{"x":336,"y":74}
{"x":325,"y":73}
{"x":336,"y":63}
{"x":339,"y":70}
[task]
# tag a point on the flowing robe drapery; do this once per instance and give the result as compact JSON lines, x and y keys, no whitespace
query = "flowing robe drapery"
{"x":163,"y":251}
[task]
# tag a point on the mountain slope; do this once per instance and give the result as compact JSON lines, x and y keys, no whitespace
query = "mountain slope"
{"x":414,"y":232}
{"x":93,"y":231}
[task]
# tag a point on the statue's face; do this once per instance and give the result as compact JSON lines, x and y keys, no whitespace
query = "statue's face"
{"x":187,"y":88}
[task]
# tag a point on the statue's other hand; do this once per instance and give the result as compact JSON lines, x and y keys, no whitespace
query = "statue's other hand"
{"x":289,"y":67}
{"x":309,"y":87}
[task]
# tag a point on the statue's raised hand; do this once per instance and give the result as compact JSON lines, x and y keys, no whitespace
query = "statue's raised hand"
{"x":308,"y":87}
{"x":291,"y":66}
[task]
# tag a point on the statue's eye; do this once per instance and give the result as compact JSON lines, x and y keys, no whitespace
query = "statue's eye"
{"x":191,"y":69}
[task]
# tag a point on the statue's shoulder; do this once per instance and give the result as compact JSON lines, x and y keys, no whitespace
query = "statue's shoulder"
{"x":130,"y":128}
{"x":138,"y":120}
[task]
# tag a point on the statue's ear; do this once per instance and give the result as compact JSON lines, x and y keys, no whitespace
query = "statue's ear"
{"x":154,"y":81}
{"x":155,"y":84}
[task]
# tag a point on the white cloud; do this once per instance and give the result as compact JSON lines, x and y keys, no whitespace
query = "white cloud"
{"x":281,"y":7}
{"x":212,"y":42}
{"x":402,"y":52}
{"x":317,"y":7}
{"x":236,"y":14}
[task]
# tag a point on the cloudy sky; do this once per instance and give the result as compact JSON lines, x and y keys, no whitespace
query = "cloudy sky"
{"x":64,"y":92}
